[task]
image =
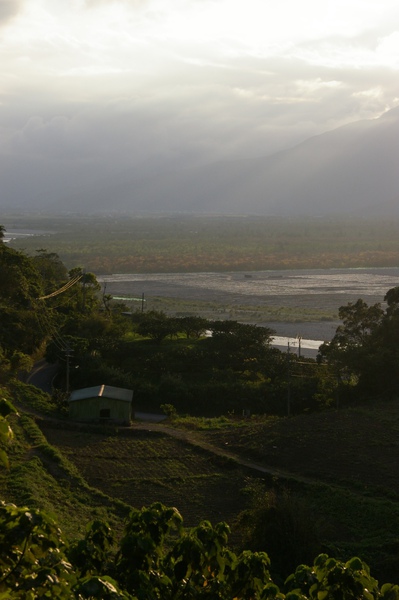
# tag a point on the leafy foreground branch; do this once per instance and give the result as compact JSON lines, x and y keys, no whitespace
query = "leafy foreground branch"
{"x":158,"y":559}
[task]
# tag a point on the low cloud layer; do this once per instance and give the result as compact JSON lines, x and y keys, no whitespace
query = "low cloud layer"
{"x":99,"y":86}
{"x":9,"y":9}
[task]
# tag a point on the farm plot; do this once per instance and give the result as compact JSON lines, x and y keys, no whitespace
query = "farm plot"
{"x":146,"y":467}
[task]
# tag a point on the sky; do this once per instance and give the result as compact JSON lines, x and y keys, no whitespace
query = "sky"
{"x":151,"y":84}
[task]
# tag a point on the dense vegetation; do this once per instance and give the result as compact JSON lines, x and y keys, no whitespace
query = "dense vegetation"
{"x":233,"y":368}
{"x":365,"y":347}
{"x":43,"y":307}
{"x":112,"y":244}
{"x":157,"y":559}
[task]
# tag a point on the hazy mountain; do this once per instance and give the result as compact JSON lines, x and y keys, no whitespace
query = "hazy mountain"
{"x":353,"y":169}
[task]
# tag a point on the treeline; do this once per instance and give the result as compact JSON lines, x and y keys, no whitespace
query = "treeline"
{"x":201,"y":367}
{"x":206,"y":367}
{"x":183,"y":244}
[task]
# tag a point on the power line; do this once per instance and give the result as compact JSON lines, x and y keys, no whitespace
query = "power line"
{"x":66,"y":300}
{"x":63,"y":289}
{"x":48,"y":329}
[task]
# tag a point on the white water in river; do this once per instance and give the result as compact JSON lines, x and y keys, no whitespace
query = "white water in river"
{"x":361,"y":282}
{"x":296,"y":344}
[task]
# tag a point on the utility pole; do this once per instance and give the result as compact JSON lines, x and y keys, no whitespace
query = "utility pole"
{"x":288,"y":381}
{"x":68,"y":354}
{"x":84,"y":291}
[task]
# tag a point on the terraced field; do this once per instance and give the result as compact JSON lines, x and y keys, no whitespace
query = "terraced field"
{"x":141,"y":467}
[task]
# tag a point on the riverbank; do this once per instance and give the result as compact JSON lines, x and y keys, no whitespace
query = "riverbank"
{"x":293,"y":303}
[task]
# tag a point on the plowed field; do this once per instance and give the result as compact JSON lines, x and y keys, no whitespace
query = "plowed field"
{"x":144,"y":467}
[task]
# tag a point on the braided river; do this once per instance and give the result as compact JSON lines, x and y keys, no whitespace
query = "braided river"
{"x":324,"y":289}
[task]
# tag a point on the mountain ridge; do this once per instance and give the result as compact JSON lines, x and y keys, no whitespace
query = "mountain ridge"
{"x":349,"y":170}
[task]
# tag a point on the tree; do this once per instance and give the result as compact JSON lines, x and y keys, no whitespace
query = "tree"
{"x":240,"y":335}
{"x":157,"y":326}
{"x":85,"y":292}
{"x":6,"y":433}
{"x":51,"y":268}
{"x":238,"y":346}
{"x":13,"y":364}
{"x":20,"y":287}
{"x":364,"y":348}
{"x":359,"y":321}
{"x":193,"y":326}
{"x":20,"y":280}
{"x":392,"y":300}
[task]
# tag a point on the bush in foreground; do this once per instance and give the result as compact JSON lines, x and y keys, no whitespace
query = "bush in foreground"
{"x":157,"y":559}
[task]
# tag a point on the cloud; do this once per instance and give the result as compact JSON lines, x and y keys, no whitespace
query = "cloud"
{"x":9,"y":9}
{"x":248,"y":106}
{"x":130,"y":3}
{"x":105,"y":88}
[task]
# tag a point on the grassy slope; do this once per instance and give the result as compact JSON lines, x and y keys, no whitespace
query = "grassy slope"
{"x":41,"y":477}
{"x":350,"y":459}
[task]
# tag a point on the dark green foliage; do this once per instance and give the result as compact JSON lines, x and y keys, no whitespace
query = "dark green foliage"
{"x":333,"y":580}
{"x":52,"y":270}
{"x":20,"y":287}
{"x":192,"y":326}
{"x":231,"y":370}
{"x":284,"y":526}
{"x":32,"y":560}
{"x":157,"y":559}
{"x":156,"y":326}
{"x":89,"y":370}
{"x":6,"y":434}
{"x":237,"y":346}
{"x":364,"y":351}
{"x":91,"y":554}
{"x":20,"y":280}
{"x":32,"y":398}
{"x":6,"y":407}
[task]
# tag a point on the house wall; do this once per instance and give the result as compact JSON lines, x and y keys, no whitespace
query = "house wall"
{"x":88,"y":409}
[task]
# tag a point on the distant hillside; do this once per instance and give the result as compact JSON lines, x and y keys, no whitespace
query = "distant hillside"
{"x":351,"y":170}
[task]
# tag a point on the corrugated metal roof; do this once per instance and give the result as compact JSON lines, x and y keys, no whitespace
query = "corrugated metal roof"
{"x":102,"y":391}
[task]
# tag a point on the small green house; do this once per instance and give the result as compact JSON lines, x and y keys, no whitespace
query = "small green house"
{"x":102,"y":403}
